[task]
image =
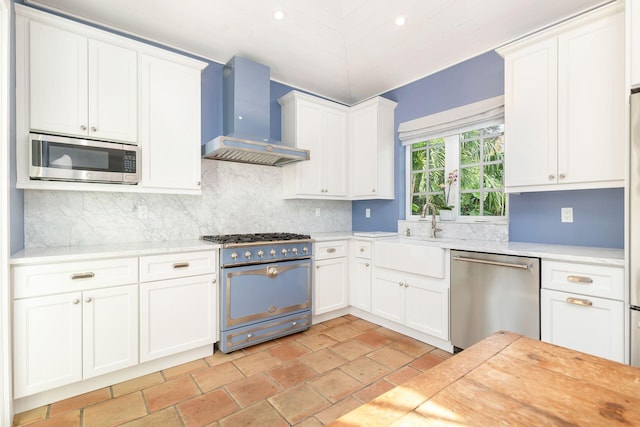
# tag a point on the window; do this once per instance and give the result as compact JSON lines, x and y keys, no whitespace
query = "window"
{"x":464,"y":170}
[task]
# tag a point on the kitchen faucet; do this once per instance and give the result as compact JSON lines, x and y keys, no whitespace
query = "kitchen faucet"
{"x":425,"y":209}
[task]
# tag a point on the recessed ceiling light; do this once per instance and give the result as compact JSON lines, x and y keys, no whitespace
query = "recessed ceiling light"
{"x":279,"y":15}
{"x":400,"y":21}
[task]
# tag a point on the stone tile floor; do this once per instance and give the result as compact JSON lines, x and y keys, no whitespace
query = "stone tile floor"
{"x":306,"y":379}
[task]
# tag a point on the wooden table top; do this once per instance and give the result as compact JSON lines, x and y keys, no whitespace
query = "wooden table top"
{"x":509,"y":379}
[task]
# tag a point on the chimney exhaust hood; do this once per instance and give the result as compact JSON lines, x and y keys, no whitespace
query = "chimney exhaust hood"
{"x":246,"y":119}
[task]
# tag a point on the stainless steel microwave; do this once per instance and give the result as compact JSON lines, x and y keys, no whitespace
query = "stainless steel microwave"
{"x":61,"y":158}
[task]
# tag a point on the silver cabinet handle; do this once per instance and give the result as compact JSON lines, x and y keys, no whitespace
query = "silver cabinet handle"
{"x":496,"y":263}
{"x":579,"y":279}
{"x":88,"y":299}
{"x":78,"y":276}
{"x":180,"y":265}
{"x":75,"y":301}
{"x":580,"y":301}
{"x":331,"y":250}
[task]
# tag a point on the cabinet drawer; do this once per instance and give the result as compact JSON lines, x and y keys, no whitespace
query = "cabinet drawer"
{"x":586,"y":279}
{"x":173,"y":266}
{"x":327,"y":250}
{"x":361,"y":249}
{"x":48,"y":279}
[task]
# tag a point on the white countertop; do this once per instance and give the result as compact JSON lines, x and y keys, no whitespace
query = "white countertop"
{"x":112,"y":250}
{"x":606,"y":256}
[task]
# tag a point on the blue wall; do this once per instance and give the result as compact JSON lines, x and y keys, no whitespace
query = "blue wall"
{"x":533,"y":217}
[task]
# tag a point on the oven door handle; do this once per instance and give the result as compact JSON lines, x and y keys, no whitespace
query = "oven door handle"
{"x":272,"y":272}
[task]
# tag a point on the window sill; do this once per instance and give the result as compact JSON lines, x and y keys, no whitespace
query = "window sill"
{"x":465,"y":220}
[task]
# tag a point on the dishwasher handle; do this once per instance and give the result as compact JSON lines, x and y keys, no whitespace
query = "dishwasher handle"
{"x":496,"y":263}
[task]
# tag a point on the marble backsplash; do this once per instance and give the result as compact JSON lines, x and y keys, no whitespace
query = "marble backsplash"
{"x":236,"y":198}
{"x":490,"y":231}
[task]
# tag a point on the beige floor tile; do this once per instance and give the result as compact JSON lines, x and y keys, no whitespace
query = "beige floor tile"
{"x":362,"y":325}
{"x":258,"y":362}
{"x":291,"y":373}
{"x":426,"y":362}
{"x":80,"y":401}
{"x":288,"y":350}
{"x":115,"y":411}
{"x":315,"y":329}
{"x":260,"y":347}
{"x":335,"y":322}
{"x":334,"y":385}
{"x":310,"y":422}
{"x":166,"y":418}
{"x":218,"y":358}
{"x":317,"y":341}
{"x":412,"y":347}
{"x":67,"y":419}
{"x":374,"y":390}
{"x":441,"y":353}
{"x":342,"y":332}
{"x":30,"y":416}
{"x":351,"y":349}
{"x":185,"y":368}
{"x":365,"y":370}
{"x":206,"y":409}
{"x":136,"y":384}
{"x":217,"y":376}
{"x":390,"y":357}
{"x":373,"y":338}
{"x":259,"y":415}
{"x":336,"y":411}
{"x":171,"y":392}
{"x":402,"y":375}
{"x":323,"y":360}
{"x":298,"y":403}
{"x":249,"y":390}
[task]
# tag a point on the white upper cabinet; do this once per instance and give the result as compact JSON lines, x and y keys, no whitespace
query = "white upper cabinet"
{"x":371,"y":149}
{"x":170,"y":125}
{"x":564,"y":106}
{"x":633,"y":11}
{"x":321,"y":127}
{"x":81,"y":87}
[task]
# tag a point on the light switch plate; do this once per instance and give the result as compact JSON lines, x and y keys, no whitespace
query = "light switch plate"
{"x":367,"y":213}
{"x":566,"y":214}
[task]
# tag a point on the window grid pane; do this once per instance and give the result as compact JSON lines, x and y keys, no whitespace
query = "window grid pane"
{"x":427,"y":172}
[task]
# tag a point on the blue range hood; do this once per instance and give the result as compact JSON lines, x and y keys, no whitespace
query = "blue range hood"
{"x":246,"y":87}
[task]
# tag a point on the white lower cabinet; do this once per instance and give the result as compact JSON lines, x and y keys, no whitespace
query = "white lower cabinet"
{"x":588,"y":324}
{"x":360,"y":275}
{"x":418,"y":302}
{"x":64,"y":338}
{"x":330,"y":278}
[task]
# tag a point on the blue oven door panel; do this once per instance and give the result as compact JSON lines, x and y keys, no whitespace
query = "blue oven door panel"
{"x":246,"y":336}
{"x":255,"y":293}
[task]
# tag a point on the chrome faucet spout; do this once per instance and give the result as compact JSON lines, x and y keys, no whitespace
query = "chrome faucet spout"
{"x":425,"y":210}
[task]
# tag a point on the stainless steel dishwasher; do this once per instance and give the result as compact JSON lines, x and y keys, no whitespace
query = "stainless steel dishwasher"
{"x":491,"y":292}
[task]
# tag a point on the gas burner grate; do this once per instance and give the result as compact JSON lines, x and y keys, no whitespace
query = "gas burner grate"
{"x":256,"y":237}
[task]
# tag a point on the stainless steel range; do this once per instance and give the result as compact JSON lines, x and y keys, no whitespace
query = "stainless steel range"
{"x":266,"y":287}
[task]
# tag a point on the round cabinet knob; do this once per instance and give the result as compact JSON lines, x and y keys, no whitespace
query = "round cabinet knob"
{"x":401,"y":284}
{"x":88,"y":299}
{"x":83,"y":127}
{"x":373,"y":190}
{"x":361,"y":249}
{"x":214,"y":281}
{"x":283,"y":251}
{"x":247,"y":254}
{"x":234,"y":255}
{"x":260,"y":253}
{"x":75,"y":301}
{"x":272,"y":252}
{"x":93,"y":129}
{"x":295,"y":251}
{"x":198,"y":183}
{"x":366,"y":264}
{"x":294,"y":323}
{"x":305,"y":249}
{"x":562,"y":176}
{"x":406,"y":285}
{"x":249,"y":336}
{"x":552,"y":176}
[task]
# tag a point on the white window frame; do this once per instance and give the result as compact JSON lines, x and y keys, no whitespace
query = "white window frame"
{"x":452,"y":162}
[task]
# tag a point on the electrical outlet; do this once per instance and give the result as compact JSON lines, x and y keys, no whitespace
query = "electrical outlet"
{"x":143,"y":212}
{"x":367,"y":213}
{"x":317,"y":211}
{"x":566,"y":214}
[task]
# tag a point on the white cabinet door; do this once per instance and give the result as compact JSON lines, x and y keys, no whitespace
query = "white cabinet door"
{"x":591,"y":99}
{"x":58,"y":80}
{"x":633,"y":10}
{"x":531,"y":115}
{"x":360,"y":284}
{"x":113,"y":92}
{"x":387,"y":296}
{"x":177,"y":315}
{"x":427,"y":307}
{"x":330,"y":285}
{"x":110,"y":329}
{"x":170,"y":125}
{"x":309,"y":129}
{"x":47,"y":343}
{"x":335,"y":156}
{"x":588,"y":324}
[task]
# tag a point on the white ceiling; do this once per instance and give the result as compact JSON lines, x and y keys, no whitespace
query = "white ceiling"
{"x":346,"y":50}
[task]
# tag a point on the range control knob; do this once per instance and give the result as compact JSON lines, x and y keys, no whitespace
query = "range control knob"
{"x":305,"y":249}
{"x":284,"y":251}
{"x":295,"y":251}
{"x":234,"y":255}
{"x":272,"y":252}
{"x":260,"y":254}
{"x":247,"y":254}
